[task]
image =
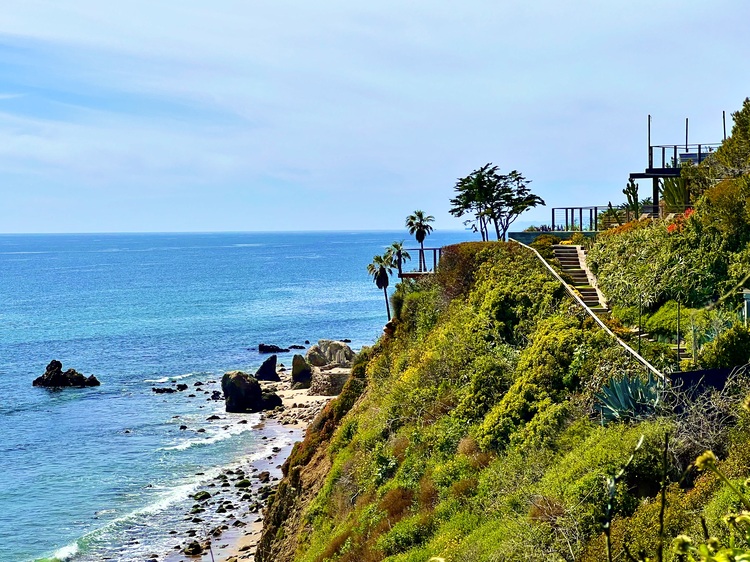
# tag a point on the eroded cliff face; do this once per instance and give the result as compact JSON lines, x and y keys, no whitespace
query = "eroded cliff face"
{"x":284,"y":521}
{"x":305,"y":472}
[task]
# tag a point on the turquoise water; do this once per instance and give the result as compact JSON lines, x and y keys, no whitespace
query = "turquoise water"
{"x":95,"y":473}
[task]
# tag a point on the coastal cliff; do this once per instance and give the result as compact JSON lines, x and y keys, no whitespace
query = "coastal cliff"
{"x":487,"y":425}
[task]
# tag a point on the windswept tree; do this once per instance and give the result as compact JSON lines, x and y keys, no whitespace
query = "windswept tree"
{"x":419,"y":225}
{"x":495,"y":199}
{"x":381,"y":269}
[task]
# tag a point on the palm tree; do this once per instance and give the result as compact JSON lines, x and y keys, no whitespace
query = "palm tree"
{"x":397,"y":254}
{"x":380,"y":269}
{"x":418,"y":224}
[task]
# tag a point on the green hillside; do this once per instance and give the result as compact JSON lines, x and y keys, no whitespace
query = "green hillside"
{"x":493,"y":423}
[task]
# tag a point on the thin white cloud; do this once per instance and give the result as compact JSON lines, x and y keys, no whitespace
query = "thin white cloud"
{"x":382,"y":100}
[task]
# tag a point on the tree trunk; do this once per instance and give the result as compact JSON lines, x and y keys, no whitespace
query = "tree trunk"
{"x":422,"y":264}
{"x":387,"y":306}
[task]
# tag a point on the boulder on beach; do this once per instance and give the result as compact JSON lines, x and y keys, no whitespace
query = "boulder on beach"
{"x":243,"y":394}
{"x":329,"y":382}
{"x":267,"y":371}
{"x":54,"y":377}
{"x":301,"y":373}
{"x":266,"y":348}
{"x":330,"y":352}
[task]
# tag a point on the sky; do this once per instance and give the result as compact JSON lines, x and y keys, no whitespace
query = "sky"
{"x":187,"y":115}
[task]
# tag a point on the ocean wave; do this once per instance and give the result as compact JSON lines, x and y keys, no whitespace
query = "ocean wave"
{"x":67,"y":552}
{"x":167,"y":496}
{"x":220,"y":435}
{"x":171,"y":378}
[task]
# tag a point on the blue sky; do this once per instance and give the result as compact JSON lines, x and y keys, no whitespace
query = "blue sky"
{"x":236,"y":115}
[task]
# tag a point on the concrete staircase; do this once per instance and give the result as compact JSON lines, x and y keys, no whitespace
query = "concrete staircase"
{"x":569,"y":257}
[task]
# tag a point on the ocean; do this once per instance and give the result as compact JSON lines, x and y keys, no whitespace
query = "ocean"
{"x":102,"y":473}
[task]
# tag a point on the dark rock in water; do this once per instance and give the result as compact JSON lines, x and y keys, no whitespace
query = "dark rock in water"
{"x":264,"y":348}
{"x":183,"y":427}
{"x":181,"y":387}
{"x":301,"y":372}
{"x":211,"y":418}
{"x":163,"y":390}
{"x":267,"y":371}
{"x":198,"y":383}
{"x":307,"y":342}
{"x":193,"y":549}
{"x":264,"y":476}
{"x":55,"y":378}
{"x":296,"y":347}
{"x":345,"y":340}
{"x":216,"y":395}
{"x":242,"y":393}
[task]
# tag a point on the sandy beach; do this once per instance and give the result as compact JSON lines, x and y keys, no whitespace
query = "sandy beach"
{"x":239,"y":492}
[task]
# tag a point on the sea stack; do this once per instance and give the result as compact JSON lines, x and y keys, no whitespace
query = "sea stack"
{"x":54,"y":377}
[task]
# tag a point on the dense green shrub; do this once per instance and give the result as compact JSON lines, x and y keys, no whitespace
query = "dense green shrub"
{"x":458,"y":264}
{"x":731,"y":348}
{"x":539,"y":380}
{"x":543,"y":244}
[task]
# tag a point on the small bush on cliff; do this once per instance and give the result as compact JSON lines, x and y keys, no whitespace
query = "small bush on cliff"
{"x":731,"y":348}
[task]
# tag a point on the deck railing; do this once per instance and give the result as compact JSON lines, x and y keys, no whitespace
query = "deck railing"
{"x":674,"y":155}
{"x":599,"y":218}
{"x":423,"y":257}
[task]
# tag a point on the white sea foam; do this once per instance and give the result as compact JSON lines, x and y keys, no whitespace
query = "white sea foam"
{"x":220,"y":435}
{"x":67,"y":552}
{"x":167,"y":379}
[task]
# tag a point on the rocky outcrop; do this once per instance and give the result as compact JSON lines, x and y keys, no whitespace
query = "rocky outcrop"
{"x":266,"y":348}
{"x":330,"y":352}
{"x":54,"y":377}
{"x":267,"y":371}
{"x":243,"y":394}
{"x":301,"y":373}
{"x":328,"y":382}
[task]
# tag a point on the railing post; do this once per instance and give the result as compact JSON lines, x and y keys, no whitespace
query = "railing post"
{"x":434,"y":259}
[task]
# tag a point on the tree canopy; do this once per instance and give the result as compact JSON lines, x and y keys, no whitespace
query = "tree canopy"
{"x":496,"y":200}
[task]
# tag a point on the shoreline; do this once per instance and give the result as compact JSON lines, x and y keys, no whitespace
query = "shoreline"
{"x":235,"y":539}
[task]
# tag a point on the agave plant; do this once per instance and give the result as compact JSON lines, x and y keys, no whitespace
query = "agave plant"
{"x":629,"y":398}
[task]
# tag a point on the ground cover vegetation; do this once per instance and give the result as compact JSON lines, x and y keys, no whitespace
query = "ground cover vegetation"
{"x":497,"y":422}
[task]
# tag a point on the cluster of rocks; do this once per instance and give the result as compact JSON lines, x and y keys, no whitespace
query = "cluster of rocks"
{"x":213,"y":395}
{"x":236,"y":497}
{"x":54,"y":377}
{"x":243,"y":394}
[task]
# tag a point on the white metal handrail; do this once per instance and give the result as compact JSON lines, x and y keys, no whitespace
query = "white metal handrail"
{"x":593,"y":314}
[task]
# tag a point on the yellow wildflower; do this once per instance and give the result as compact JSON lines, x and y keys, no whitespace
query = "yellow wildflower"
{"x":705,"y":461}
{"x":681,"y":544}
